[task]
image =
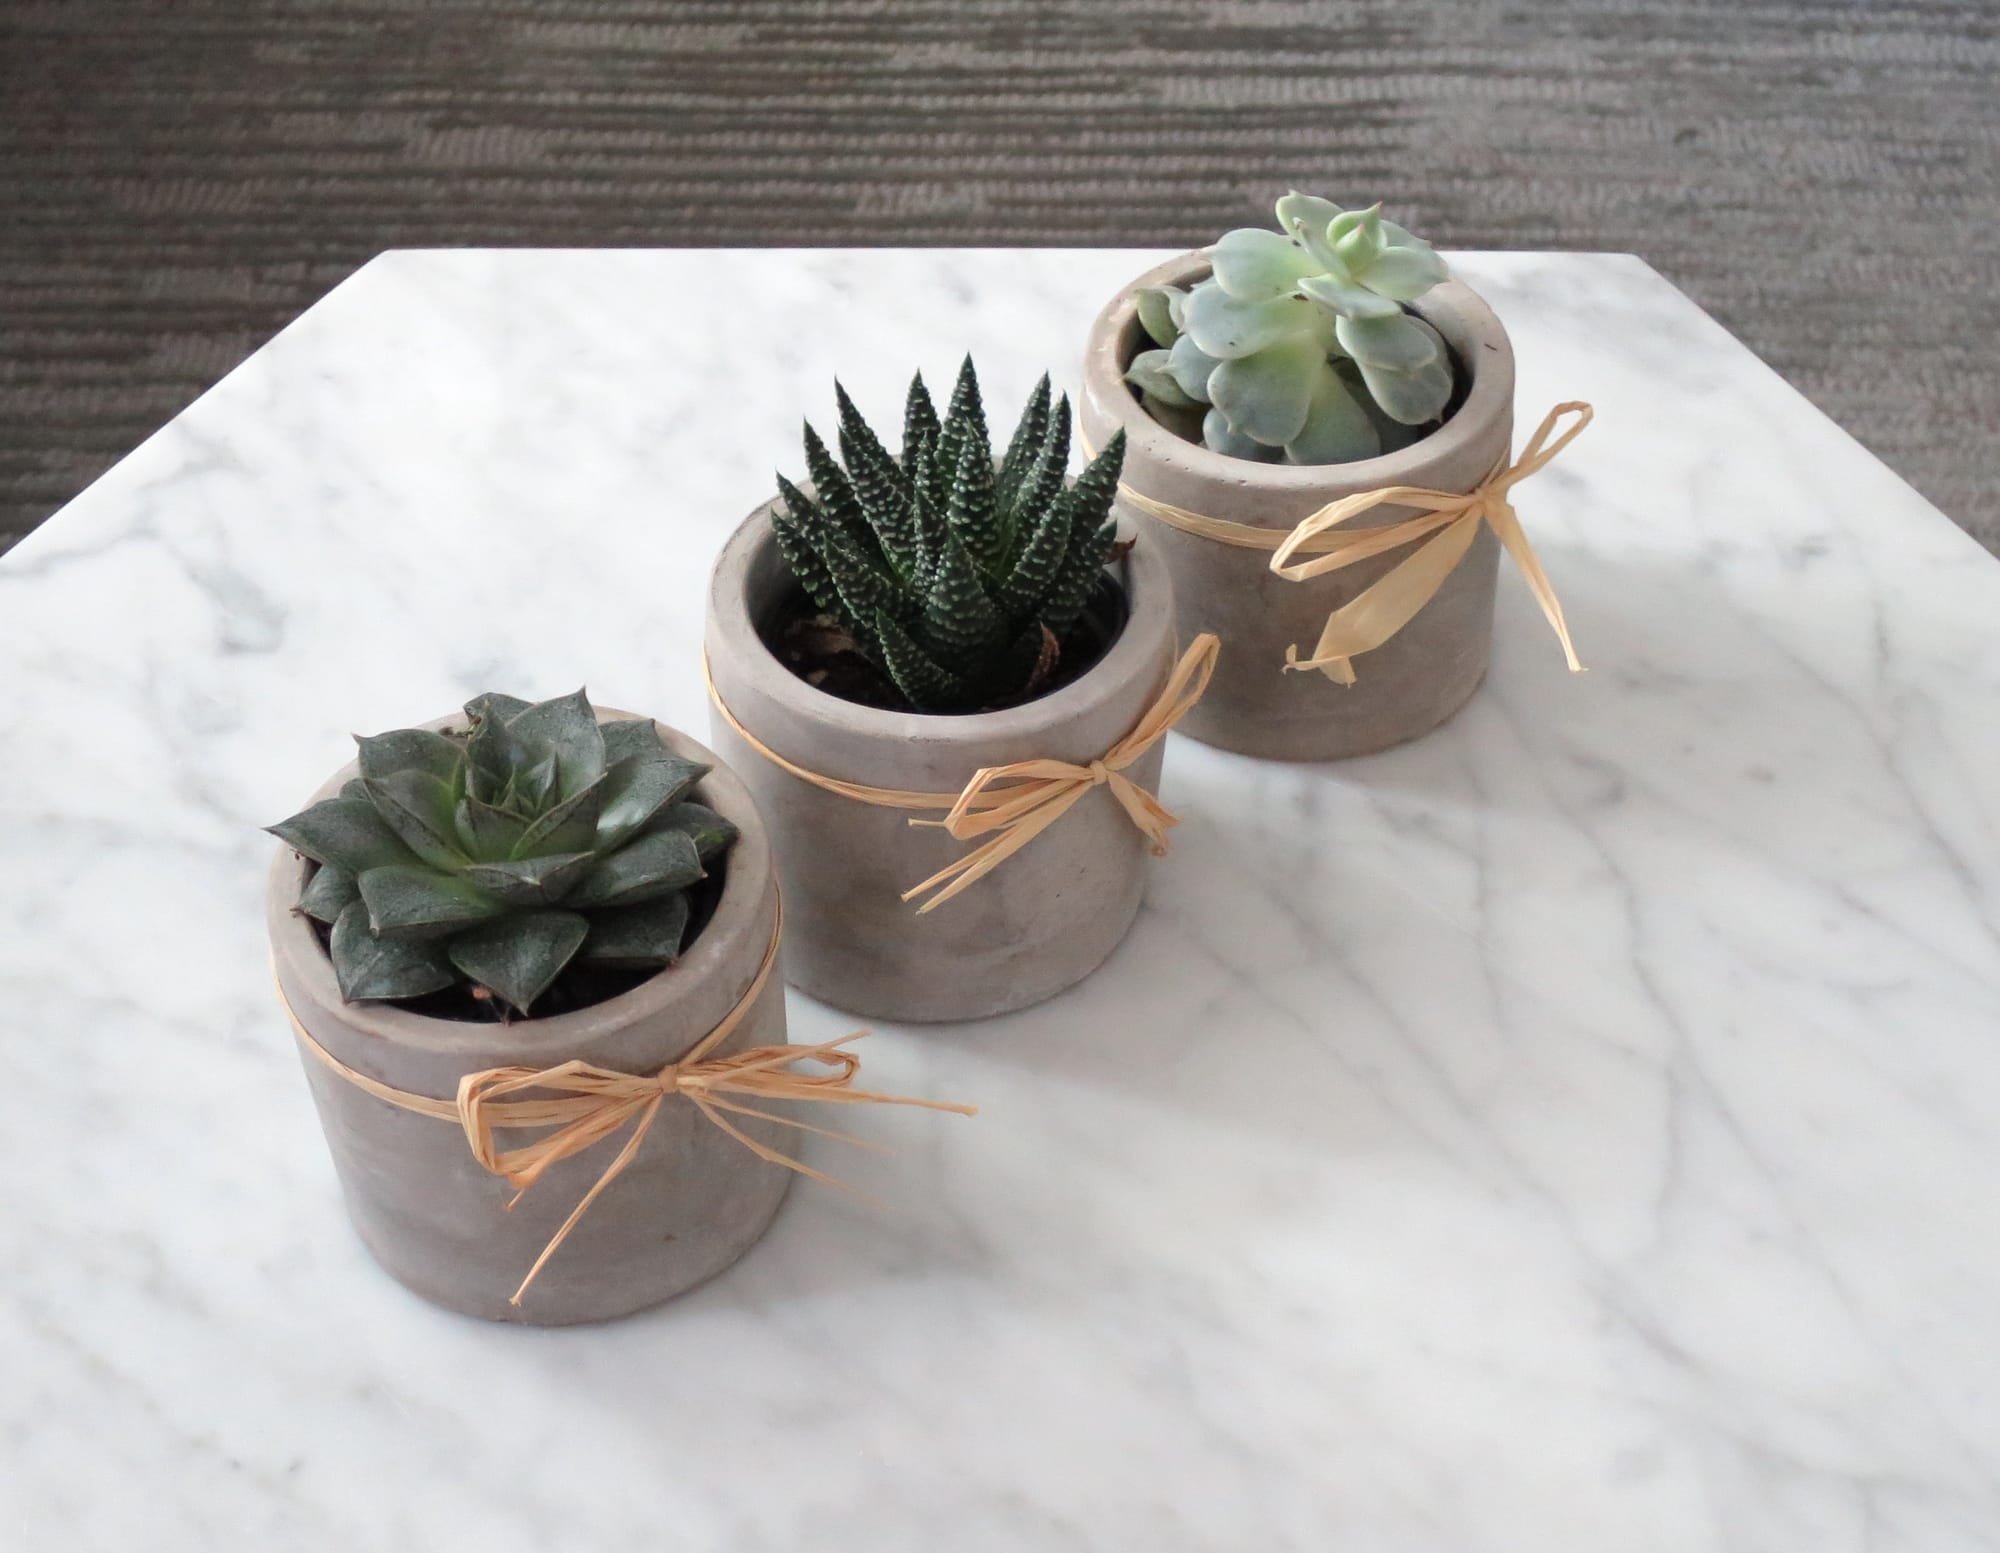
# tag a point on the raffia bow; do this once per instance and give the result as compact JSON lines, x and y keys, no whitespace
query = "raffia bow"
{"x":585,"y":1104}
{"x":1446,"y":522}
{"x":1014,"y":804}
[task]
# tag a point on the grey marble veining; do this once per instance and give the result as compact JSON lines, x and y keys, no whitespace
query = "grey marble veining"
{"x":1577,"y":1129}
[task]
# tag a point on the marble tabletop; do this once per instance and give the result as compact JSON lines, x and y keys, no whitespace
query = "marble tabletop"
{"x":1576,"y":1130}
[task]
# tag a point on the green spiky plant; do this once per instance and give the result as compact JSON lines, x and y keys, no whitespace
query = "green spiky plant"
{"x":959,"y":580}
{"x":1298,"y":346}
{"x":498,"y":855}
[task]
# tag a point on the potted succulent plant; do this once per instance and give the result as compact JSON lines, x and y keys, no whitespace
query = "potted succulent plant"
{"x":880,"y":639}
{"x":505,"y":892}
{"x":1259,"y":381}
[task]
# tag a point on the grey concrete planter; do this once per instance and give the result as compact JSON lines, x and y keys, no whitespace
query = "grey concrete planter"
{"x":1043,"y":919}
{"x":692,"y":1201}
{"x":1411,"y":683}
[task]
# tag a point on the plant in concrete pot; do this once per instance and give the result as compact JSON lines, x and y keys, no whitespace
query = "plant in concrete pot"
{"x":907,"y":626}
{"x":521,"y":887}
{"x":1260,"y":381}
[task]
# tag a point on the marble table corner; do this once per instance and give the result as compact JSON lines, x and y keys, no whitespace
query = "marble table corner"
{"x":1577,"y":1129}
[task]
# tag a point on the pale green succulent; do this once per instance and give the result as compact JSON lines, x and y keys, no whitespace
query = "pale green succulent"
{"x":1298,"y":345}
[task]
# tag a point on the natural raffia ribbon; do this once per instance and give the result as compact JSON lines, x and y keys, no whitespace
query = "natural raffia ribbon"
{"x":1014,"y":804}
{"x":1446,"y":521}
{"x":586,"y":1104}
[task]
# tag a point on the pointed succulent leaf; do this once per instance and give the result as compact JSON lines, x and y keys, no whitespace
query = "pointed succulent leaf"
{"x":632,"y":736}
{"x":973,"y":515}
{"x":568,"y":826}
{"x":492,"y":754}
{"x":423,"y":812}
{"x":407,"y":902}
{"x":368,"y":967}
{"x":565,"y":728}
{"x":486,"y":833}
{"x":925,"y":683}
{"x":1357,"y":239}
{"x":920,"y":421}
{"x":1097,"y":487}
{"x":492,"y":705}
{"x":343,"y":830}
{"x":656,"y":864}
{"x":1155,"y":306}
{"x":709,"y":831}
{"x":411,"y":749}
{"x":635,"y":790}
{"x":964,"y":425}
{"x":521,"y":957}
{"x":1337,"y":428}
{"x":880,"y":486}
{"x":1024,"y":446}
{"x":863,"y":586}
{"x":638,"y":936}
{"x":531,"y":881}
{"x":838,"y":504}
{"x":959,"y":618}
{"x":1040,"y":562}
{"x":329,"y":892}
{"x":1045,"y":480}
{"x":1081,"y":576}
{"x":795,"y":542}
{"x":533,"y":787}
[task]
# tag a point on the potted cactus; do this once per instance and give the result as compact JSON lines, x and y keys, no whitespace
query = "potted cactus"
{"x":1262,"y":379}
{"x":896,"y":627}
{"x":520,"y":887}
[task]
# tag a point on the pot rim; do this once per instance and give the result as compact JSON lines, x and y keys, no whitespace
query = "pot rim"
{"x":1142,"y":574}
{"x":1490,"y":395}
{"x":732,"y":941}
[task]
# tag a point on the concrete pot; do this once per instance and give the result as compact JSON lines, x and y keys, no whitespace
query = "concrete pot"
{"x":1043,"y":919}
{"x":1411,"y":683}
{"x":691,"y":1202}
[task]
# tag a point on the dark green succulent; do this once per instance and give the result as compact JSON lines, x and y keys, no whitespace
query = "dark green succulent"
{"x":958,"y":579}
{"x":498,"y":854}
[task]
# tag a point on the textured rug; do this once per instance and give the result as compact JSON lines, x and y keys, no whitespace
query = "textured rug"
{"x":179,"y":179}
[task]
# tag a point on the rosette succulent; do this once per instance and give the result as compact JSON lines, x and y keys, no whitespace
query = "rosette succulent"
{"x":1298,"y":347}
{"x":498,"y":855}
{"x":958,"y":578}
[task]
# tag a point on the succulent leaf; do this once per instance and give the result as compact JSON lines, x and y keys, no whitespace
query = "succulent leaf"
{"x":409,"y":747}
{"x":531,"y":881}
{"x":421,"y":809}
{"x":567,"y":729}
{"x":330,"y":891}
{"x":409,"y":901}
{"x":487,"y":833}
{"x":367,"y":967}
{"x":630,"y":737}
{"x":1025,"y":446}
{"x":648,"y":934}
{"x":1337,"y":429}
{"x":566,"y":826}
{"x":1155,"y":306}
{"x":973,"y":514}
{"x":520,"y":958}
{"x":920,"y":422}
{"x":927,"y":683}
{"x":638,"y":788}
{"x":344,"y":830}
{"x":959,"y":618}
{"x":655,"y":864}
{"x":709,"y":831}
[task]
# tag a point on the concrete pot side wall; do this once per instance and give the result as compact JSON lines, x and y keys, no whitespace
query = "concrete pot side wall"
{"x":1407,"y":686}
{"x":1043,"y":919}
{"x":692,"y":1201}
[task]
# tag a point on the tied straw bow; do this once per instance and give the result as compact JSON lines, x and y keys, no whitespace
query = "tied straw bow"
{"x":585,"y":1104}
{"x":1386,"y":605}
{"x":1013,"y":804}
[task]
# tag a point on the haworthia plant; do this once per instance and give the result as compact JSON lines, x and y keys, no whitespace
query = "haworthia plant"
{"x":957,"y":577}
{"x":497,"y":855}
{"x":1298,"y":346}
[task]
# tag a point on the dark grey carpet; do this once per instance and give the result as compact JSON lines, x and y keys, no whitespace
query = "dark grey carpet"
{"x":179,"y":178}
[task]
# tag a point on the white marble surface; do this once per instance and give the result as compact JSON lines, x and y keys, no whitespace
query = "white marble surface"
{"x":1579,"y":1130}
